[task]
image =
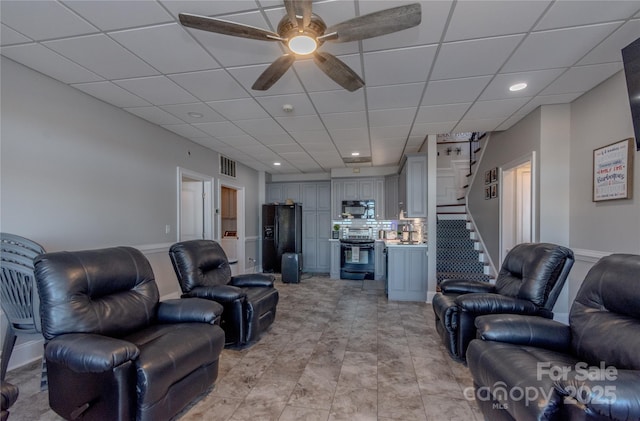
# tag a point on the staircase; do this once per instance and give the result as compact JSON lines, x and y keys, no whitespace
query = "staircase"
{"x":458,"y":256}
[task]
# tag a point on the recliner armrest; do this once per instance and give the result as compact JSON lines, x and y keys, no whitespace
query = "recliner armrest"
{"x":524,"y":330}
{"x":188,"y":310}
{"x":610,"y":393}
{"x":219,"y":293}
{"x":481,"y":303}
{"x":90,"y":353}
{"x":252,"y":280}
{"x":463,"y":286}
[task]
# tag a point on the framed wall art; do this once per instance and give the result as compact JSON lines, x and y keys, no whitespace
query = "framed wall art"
{"x":613,"y":171}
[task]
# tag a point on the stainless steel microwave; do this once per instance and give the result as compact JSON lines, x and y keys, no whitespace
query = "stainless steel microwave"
{"x":359,"y":209}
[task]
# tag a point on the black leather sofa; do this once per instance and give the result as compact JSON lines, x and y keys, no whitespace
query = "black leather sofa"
{"x":249,"y":300}
{"x":9,"y":396}
{"x":531,"y":368}
{"x":113,"y":351}
{"x":530,"y":280}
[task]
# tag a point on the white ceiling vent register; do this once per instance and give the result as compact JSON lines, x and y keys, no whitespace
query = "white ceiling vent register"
{"x":227,"y":166}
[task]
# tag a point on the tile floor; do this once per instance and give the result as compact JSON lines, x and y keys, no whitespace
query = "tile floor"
{"x":338,"y":350}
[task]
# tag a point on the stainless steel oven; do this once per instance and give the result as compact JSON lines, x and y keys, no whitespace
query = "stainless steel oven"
{"x":357,"y":259}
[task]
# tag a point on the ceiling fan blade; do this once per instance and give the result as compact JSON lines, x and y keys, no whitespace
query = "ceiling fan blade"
{"x":337,"y":70}
{"x":224,"y":27}
{"x":299,"y":12}
{"x":377,"y":23}
{"x":274,"y":72}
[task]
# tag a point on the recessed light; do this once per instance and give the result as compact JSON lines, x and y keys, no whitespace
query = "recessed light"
{"x":276,"y":164}
{"x":195,"y":115}
{"x":355,"y":153}
{"x":517,"y":87}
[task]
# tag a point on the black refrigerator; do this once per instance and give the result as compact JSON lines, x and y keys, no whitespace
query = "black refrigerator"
{"x":281,"y":233}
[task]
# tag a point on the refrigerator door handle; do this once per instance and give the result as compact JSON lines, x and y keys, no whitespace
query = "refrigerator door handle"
{"x":276,"y":234}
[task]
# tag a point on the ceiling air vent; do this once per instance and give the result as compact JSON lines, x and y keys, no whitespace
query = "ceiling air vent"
{"x":227,"y":166}
{"x":356,"y":159}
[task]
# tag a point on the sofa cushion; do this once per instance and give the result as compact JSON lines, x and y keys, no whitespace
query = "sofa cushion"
{"x":518,"y":378}
{"x":606,"y":312}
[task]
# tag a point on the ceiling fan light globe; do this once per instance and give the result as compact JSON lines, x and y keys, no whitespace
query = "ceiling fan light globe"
{"x":302,"y":44}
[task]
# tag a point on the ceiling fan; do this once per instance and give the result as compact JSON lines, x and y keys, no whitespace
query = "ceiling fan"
{"x":302,"y":32}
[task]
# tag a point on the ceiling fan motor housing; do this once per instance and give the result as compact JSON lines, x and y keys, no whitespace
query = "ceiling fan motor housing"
{"x":316,"y":28}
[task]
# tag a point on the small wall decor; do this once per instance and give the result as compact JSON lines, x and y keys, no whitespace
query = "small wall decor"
{"x":487,"y":177}
{"x":613,"y":171}
{"x":487,"y":193}
{"x":494,"y":191}
{"x":494,"y":175}
{"x":491,"y":183}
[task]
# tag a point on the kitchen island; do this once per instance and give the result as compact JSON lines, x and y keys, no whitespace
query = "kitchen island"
{"x":407,"y":274}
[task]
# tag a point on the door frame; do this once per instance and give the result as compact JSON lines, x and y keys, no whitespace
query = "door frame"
{"x":503,"y":191}
{"x":208,"y":183}
{"x":240,"y":212}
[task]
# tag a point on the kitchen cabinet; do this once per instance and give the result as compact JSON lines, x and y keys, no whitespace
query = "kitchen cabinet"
{"x":380,"y":263}
{"x":363,"y":188}
{"x":407,"y":272}
{"x":334,"y":245}
{"x":391,"y":200}
{"x":412,"y":186}
{"x":279,"y":192}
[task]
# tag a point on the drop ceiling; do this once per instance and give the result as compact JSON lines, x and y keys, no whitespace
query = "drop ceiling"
{"x":450,"y":74}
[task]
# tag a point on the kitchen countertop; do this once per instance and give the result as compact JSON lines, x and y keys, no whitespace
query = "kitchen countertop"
{"x":392,"y":243}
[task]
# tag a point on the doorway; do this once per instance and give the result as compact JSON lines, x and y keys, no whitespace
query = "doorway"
{"x":194,"y":206}
{"x":517,"y":204}
{"x":231,"y":222}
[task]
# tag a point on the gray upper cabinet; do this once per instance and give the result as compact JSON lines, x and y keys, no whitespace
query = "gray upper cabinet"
{"x":414,"y":191}
{"x":391,"y":197}
{"x":365,"y":188}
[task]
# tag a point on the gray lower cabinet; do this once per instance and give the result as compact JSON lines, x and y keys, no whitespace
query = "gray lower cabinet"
{"x":407,"y":273}
{"x":379,"y":272}
{"x":334,"y":273}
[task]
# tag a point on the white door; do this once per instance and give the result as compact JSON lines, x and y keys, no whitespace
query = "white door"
{"x":192,"y":210}
{"x":516,"y":207}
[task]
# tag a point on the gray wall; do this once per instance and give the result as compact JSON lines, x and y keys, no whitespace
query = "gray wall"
{"x":79,"y":173}
{"x":563,"y":138}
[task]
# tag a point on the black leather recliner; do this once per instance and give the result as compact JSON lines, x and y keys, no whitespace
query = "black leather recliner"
{"x":249,"y":300}
{"x":530,"y":280}
{"x":9,"y":396}
{"x":113,"y":351}
{"x":589,"y":370}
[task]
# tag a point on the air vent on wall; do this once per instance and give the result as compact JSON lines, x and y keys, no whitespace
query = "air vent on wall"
{"x":227,"y":166}
{"x":356,"y":159}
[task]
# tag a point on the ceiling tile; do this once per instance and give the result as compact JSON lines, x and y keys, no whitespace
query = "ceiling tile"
{"x":345,"y":136}
{"x":338,"y":101}
{"x":609,"y":50}
{"x":434,"y":17}
{"x":184,"y":130}
{"x":473,"y":58}
{"x":8,"y":36}
{"x":454,"y":90}
{"x":273,"y":139}
{"x":103,"y":56}
{"x":582,"y":78}
{"x":319,"y":138}
{"x":433,"y":128}
{"x":239,"y":109}
{"x":168,"y":48}
{"x":127,"y":14}
{"x":220,"y":129}
{"x":403,"y":65}
{"x":482,"y":125}
{"x":300,"y":123}
{"x":394,"y":96}
{"x":49,"y":63}
{"x":259,"y":126}
{"x":315,"y":80}
{"x":573,"y":13}
{"x":210,"y":85}
{"x":182,"y":111}
{"x":350,"y":120}
{"x":158,"y":90}
{"x":478,"y":19}
{"x":111,"y":93}
{"x":287,"y":147}
{"x":208,"y":8}
{"x":546,"y":100}
{"x":557,"y":48}
{"x":236,"y":51}
{"x":34,"y":19}
{"x":155,"y":115}
{"x":499,"y":108}
{"x":391,"y":117}
{"x":274,"y":105}
{"x":390,"y":132}
{"x":535,"y":80}
{"x":437,"y":113}
{"x":247,"y":75}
